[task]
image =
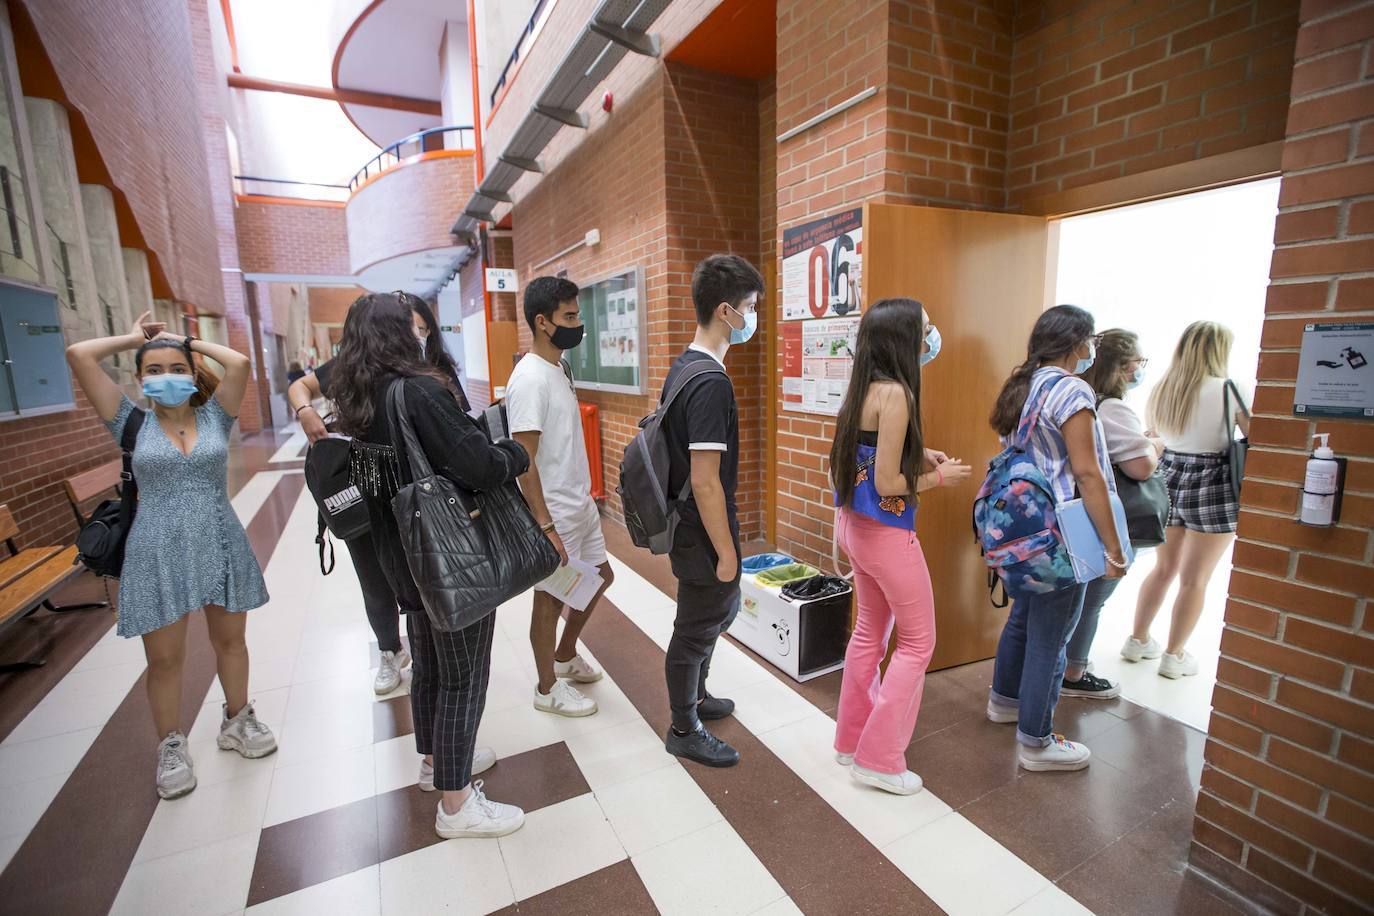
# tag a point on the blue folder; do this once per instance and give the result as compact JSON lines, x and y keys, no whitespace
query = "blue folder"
{"x":1085,"y":548}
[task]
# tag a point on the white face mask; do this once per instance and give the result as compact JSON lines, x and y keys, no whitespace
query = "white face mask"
{"x":423,"y":342}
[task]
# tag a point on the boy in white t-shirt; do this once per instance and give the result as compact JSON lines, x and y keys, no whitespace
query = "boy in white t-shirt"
{"x":544,"y":417}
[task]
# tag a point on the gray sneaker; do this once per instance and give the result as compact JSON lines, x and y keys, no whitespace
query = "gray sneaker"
{"x":176,"y":775}
{"x":245,"y":734}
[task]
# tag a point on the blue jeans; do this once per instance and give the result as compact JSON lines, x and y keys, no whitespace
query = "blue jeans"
{"x":1081,"y":642}
{"x":1029,"y":668}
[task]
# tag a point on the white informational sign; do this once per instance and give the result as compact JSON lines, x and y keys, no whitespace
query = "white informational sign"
{"x":821,"y":267}
{"x":817,"y":359}
{"x":502,"y":280}
{"x":575,"y":584}
{"x":618,"y":337}
{"x":1335,"y":374}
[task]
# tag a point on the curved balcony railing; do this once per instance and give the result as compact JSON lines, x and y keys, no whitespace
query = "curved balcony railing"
{"x":522,"y":43}
{"x":436,"y":138}
{"x":251,"y":186}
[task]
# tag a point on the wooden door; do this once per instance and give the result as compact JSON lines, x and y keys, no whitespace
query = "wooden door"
{"x":982,"y":279}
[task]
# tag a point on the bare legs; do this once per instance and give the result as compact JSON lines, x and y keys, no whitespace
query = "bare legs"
{"x":544,"y":629}
{"x":165,"y":650}
{"x":1191,"y":557}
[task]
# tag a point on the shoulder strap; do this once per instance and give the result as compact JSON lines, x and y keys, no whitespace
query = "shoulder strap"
{"x":1228,"y":391}
{"x":1032,"y":419}
{"x":567,"y":371}
{"x":322,"y":538}
{"x":693,"y":371}
{"x":128,"y":441}
{"x":400,"y":420}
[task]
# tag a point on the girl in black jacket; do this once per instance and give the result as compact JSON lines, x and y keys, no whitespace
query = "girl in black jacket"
{"x":449,"y":679}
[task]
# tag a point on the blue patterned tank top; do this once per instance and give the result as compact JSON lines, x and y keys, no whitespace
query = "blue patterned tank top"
{"x":896,"y":511}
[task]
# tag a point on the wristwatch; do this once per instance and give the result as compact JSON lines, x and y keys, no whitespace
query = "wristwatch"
{"x":190,"y":339}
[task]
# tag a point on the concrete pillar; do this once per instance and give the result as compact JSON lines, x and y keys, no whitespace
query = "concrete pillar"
{"x":23,"y":250}
{"x":455,"y":74}
{"x":138,"y":281}
{"x":71,"y":273}
{"x":107,"y":262}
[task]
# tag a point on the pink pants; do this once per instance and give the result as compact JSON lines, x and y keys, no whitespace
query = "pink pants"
{"x":892,"y":585}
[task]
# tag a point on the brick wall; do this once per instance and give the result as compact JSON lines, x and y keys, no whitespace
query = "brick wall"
{"x":1286,"y":811}
{"x":329,"y":304}
{"x":630,"y":212}
{"x":1103,"y":90}
{"x":127,"y":66}
{"x":408,"y":208}
{"x":294,"y":238}
{"x":711,"y":160}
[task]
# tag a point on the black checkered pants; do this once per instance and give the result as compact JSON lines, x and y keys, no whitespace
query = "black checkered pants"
{"x":448,"y":691}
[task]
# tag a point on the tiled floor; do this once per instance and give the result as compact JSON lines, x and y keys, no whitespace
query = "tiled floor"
{"x":334,"y":822}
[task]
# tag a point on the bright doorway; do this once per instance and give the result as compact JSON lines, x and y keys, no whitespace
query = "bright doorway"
{"x":1155,"y":268}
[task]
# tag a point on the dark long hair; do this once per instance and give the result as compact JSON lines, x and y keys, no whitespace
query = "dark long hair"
{"x":1057,"y":333}
{"x":435,"y":351}
{"x":888,"y":348}
{"x":1115,"y":348}
{"x":378,"y":343}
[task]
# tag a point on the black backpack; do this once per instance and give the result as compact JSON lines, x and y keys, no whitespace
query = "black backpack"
{"x":342,"y":510}
{"x":100,"y":542}
{"x":651,"y":512}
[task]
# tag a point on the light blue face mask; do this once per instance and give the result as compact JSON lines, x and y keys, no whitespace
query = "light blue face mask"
{"x":933,"y":345}
{"x":169,"y":390}
{"x":1136,"y":378}
{"x":751,"y":324}
{"x":1085,"y":364}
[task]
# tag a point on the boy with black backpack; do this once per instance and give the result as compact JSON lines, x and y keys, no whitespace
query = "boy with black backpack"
{"x":701,"y":426}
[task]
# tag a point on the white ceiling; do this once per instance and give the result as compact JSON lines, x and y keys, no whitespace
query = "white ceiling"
{"x":420,"y":273}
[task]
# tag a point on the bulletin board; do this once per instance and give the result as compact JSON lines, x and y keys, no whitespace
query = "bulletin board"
{"x":611,"y":355}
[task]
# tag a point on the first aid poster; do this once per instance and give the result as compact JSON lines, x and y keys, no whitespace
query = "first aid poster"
{"x":821,"y":267}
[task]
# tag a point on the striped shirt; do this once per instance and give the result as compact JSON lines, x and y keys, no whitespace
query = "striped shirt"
{"x":1069,"y":396}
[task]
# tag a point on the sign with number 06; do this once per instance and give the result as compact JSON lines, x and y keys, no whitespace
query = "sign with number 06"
{"x":501,"y":280}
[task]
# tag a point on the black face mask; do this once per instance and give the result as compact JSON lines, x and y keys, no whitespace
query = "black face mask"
{"x":567,"y":338}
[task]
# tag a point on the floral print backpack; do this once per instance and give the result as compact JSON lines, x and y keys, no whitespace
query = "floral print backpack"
{"x":1014,"y":518}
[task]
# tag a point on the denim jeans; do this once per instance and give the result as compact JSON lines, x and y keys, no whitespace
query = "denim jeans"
{"x":1081,"y":642}
{"x":1029,"y":668}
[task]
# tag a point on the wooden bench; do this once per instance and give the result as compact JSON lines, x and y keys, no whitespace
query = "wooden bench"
{"x":87,"y":485}
{"x":28,"y":579}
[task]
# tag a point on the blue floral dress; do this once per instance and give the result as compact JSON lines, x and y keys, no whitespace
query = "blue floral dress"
{"x":187,"y":547}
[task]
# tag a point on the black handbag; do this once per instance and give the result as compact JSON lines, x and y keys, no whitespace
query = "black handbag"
{"x":468,"y":553}
{"x":1235,"y":452}
{"x":100,"y":542}
{"x":1147,"y":507}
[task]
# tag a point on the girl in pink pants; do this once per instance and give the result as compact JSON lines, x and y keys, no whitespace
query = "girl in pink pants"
{"x":878,"y":464}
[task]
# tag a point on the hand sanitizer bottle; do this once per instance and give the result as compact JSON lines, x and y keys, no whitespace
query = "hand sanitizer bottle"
{"x":1320,"y":485}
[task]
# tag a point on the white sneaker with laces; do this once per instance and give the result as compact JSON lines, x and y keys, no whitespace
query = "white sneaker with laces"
{"x":1002,"y":714}
{"x":245,"y":734}
{"x":844,"y":760}
{"x":483,"y":759}
{"x":176,"y":775}
{"x":1133,"y":650}
{"x":1059,"y":754}
{"x":389,"y":671}
{"x":479,"y":817}
{"x":578,"y":669}
{"x":1176,"y":666}
{"x":904,"y":783}
{"x":564,"y":700}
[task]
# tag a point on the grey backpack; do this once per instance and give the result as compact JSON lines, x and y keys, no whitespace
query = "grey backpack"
{"x":651,"y":513}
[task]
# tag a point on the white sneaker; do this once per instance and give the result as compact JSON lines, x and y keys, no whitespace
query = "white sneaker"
{"x":1059,"y":754}
{"x":245,"y":734}
{"x":1002,"y":714}
{"x":844,"y":760}
{"x":479,"y":817}
{"x":578,"y":669}
{"x":1176,"y":666}
{"x":564,"y":700}
{"x":904,"y":783}
{"x":389,"y":671}
{"x":483,"y":759}
{"x":1134,"y":650}
{"x":176,"y":775}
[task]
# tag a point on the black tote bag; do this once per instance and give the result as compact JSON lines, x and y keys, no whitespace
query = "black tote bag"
{"x":469,"y":553}
{"x":1235,"y":452}
{"x":1147,"y":507}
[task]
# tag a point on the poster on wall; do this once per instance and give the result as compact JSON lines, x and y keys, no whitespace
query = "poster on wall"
{"x":821,"y":267}
{"x":817,"y":358}
{"x":1336,"y":371}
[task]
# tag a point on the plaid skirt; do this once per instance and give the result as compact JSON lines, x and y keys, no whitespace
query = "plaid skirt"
{"x":1200,"y":492}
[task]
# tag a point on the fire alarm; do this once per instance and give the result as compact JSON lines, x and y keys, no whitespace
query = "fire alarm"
{"x":607,"y":102}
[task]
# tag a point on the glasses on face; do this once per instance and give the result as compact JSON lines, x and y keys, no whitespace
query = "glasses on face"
{"x":1140,"y":362}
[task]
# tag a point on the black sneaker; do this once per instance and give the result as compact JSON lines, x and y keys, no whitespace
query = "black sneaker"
{"x":1091,"y":686}
{"x":715,"y":708}
{"x":701,"y":746}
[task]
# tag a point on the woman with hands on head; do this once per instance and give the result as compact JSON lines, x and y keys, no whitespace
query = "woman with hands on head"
{"x":186,"y":549}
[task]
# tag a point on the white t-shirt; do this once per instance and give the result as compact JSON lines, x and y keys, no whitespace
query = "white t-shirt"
{"x":1123,"y":431}
{"x":1206,"y":433}
{"x":539,"y":398}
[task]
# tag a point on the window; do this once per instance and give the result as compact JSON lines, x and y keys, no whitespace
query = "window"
{"x":34,"y":377}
